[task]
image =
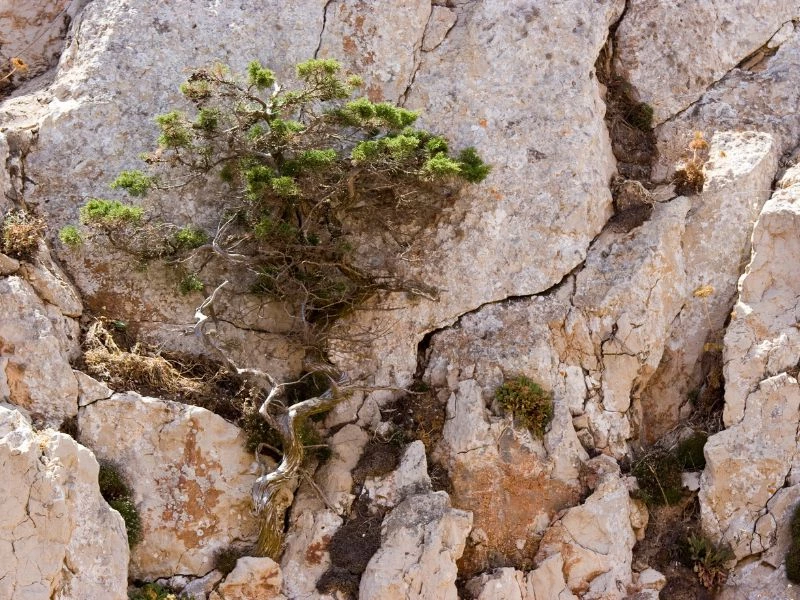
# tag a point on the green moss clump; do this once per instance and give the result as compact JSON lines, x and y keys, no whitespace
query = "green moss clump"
{"x":190,"y":237}
{"x":190,"y":283}
{"x":641,"y":116}
{"x":70,"y":236}
{"x":528,"y":402}
{"x":116,"y":492}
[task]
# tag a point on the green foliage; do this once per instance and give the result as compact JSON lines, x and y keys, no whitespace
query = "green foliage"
{"x":70,"y":236}
{"x":174,"y":132}
{"x":116,"y":492}
{"x":473,"y":169}
{"x":190,"y":237}
{"x":307,"y":171}
{"x":528,"y":402}
{"x":709,"y":560}
{"x":689,"y":452}
{"x":20,"y":233}
{"x":659,"y":478}
{"x":110,"y":213}
{"x":258,"y":76}
{"x":641,"y":116}
{"x":135,"y":182}
{"x":190,"y":283}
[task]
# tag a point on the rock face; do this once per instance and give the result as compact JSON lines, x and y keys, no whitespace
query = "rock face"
{"x":752,"y":464}
{"x":190,"y":475}
{"x":252,"y":578}
{"x":421,"y":539}
{"x":58,"y":537}
{"x":697,"y":44}
{"x":715,"y":242}
{"x":36,"y":343}
{"x":621,"y":319}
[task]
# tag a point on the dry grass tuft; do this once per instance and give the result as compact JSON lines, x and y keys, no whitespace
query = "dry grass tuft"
{"x":106,"y":359}
{"x":21,"y":233}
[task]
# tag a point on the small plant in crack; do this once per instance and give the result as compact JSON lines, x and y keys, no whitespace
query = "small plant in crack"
{"x":709,"y":560}
{"x":690,"y":176}
{"x":529,"y":403}
{"x":116,"y":492}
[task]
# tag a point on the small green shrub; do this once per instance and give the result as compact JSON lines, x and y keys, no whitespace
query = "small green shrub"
{"x":530,"y":405}
{"x":659,"y":478}
{"x":190,"y":237}
{"x":135,"y":182}
{"x":190,"y":283}
{"x":21,"y":232}
{"x":116,"y":492}
{"x":689,"y":452}
{"x":110,"y":213}
{"x":641,"y":116}
{"x":70,"y":236}
{"x":709,"y":560}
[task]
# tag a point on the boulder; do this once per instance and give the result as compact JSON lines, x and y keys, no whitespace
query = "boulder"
{"x":252,"y":578}
{"x":35,"y":349}
{"x":697,"y":44}
{"x":58,"y":537}
{"x":421,"y":540}
{"x":190,"y":475}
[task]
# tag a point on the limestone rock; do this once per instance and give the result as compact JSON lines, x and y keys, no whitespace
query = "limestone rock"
{"x":762,"y":339}
{"x":410,"y":477}
{"x":91,"y":390}
{"x":50,"y":283}
{"x":695,"y":43}
{"x":739,"y":176}
{"x":312,"y":521}
{"x":421,"y":539}
{"x":501,"y":584}
{"x":35,"y":32}
{"x":34,"y":355}
{"x":747,"y":463}
{"x":58,"y":537}
{"x":595,"y":541}
{"x":762,"y":100}
{"x":252,"y":578}
{"x":358,"y":35}
{"x":190,"y":475}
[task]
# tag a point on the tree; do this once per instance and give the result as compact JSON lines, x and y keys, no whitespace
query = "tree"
{"x":308,"y":174}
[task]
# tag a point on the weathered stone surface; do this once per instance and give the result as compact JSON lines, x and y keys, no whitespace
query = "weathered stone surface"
{"x":358,"y":35}
{"x":595,"y":540}
{"x":410,"y":477}
{"x":514,"y":238}
{"x":35,"y":32}
{"x":313,"y":521}
{"x":50,"y":283}
{"x":252,"y":578}
{"x":501,"y":584}
{"x":747,"y":463}
{"x":763,"y":100}
{"x":421,"y":539}
{"x":739,"y":176}
{"x":762,"y":339}
{"x":695,"y":44}
{"x":90,"y":390}
{"x":190,"y":475}
{"x":34,"y":355}
{"x":58,"y":537}
{"x":758,"y":581}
